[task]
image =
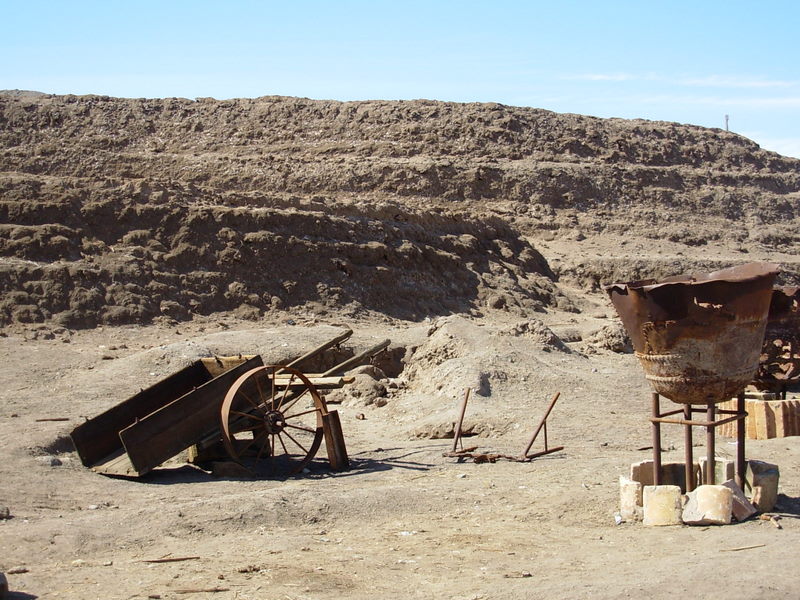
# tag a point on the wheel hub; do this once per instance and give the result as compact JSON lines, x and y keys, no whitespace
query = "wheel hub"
{"x":274,"y":421}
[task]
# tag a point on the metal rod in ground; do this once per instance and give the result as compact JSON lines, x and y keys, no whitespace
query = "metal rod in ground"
{"x":351,"y":362}
{"x":687,"y":441}
{"x":457,"y":434}
{"x":656,"y":439}
{"x":541,"y":424}
{"x":741,"y":463}
{"x":711,"y":466}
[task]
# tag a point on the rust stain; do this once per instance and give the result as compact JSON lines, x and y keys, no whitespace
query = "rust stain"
{"x":698,"y":337}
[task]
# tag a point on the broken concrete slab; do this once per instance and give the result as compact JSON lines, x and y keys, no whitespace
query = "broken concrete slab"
{"x":742,"y":508}
{"x":672,"y":473}
{"x":662,"y":505}
{"x":708,"y":505}
{"x":762,"y":481}
{"x":724,"y":469}
{"x":630,"y":499}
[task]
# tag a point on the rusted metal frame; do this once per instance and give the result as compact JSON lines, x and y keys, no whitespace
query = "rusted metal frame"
{"x":710,"y":425}
{"x":542,"y":423}
{"x":529,"y":457}
{"x":689,"y":478}
{"x":740,"y":437}
{"x":711,"y":455}
{"x":462,"y":411}
{"x":705,"y":423}
{"x":655,"y":420}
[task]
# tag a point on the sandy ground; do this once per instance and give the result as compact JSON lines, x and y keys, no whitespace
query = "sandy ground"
{"x":404,"y":521}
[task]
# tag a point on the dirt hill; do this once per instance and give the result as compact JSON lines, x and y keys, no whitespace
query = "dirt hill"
{"x":123,"y":210}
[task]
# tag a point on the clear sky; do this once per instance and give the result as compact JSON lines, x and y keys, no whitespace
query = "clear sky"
{"x":691,"y":62}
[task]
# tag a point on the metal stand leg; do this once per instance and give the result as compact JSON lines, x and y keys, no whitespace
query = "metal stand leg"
{"x":711,"y":466}
{"x":656,"y":440}
{"x":741,"y":464}
{"x":687,"y":442}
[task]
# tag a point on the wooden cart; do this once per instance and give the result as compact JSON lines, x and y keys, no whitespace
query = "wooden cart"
{"x":267,"y":414}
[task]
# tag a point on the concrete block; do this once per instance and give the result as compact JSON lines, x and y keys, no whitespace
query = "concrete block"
{"x":630,"y":499}
{"x":762,"y":482}
{"x":662,"y":505}
{"x":724,"y":469}
{"x":672,"y":473}
{"x":708,"y":505}
{"x":742,"y":508}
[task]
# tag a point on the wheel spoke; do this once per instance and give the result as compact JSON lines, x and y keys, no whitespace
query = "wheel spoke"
{"x":300,"y":414}
{"x":308,"y":429}
{"x":295,"y":441}
{"x":272,"y":397}
{"x":258,"y":387}
{"x":285,"y":450}
{"x":294,"y":400}
{"x":246,"y":397}
{"x":244,"y":414}
{"x":286,"y":391}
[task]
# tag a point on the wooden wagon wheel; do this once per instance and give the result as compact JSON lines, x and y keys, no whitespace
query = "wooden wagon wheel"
{"x":273,"y":413}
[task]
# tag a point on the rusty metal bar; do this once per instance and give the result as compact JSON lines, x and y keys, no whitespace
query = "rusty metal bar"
{"x":541,"y":424}
{"x":697,"y":423}
{"x":543,"y":452}
{"x":740,"y":436}
{"x":679,"y":411}
{"x":656,"y":439}
{"x":710,"y":446}
{"x":462,"y":411}
{"x":687,"y":441}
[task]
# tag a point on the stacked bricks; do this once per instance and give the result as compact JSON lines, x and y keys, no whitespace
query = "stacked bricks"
{"x":766,"y":419}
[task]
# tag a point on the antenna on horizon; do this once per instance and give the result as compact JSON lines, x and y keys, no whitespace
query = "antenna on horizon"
{"x":726,"y":123}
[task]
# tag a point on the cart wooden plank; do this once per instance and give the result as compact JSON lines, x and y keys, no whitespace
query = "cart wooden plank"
{"x":98,"y":438}
{"x":115,"y":464}
{"x":181,"y":423}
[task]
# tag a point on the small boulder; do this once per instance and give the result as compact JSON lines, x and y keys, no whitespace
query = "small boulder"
{"x":708,"y":505}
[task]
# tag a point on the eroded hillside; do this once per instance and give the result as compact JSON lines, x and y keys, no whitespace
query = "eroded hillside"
{"x":120,"y":210}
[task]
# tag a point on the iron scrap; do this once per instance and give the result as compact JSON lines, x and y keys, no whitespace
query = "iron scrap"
{"x":484,"y":457}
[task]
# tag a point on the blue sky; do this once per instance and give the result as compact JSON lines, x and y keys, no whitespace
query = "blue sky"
{"x":690,"y":62}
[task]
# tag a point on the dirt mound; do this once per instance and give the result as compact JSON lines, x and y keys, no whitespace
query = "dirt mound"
{"x":125,"y":261}
{"x":121,"y":210}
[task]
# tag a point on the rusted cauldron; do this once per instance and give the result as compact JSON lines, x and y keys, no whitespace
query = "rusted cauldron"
{"x":698,"y":337}
{"x":780,"y":355}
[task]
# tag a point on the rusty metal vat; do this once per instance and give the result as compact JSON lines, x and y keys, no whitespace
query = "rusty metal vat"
{"x":780,"y":355}
{"x":698,"y":337}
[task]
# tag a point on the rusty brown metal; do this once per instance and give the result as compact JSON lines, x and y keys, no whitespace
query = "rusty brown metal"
{"x":710,"y":425}
{"x":542,"y":424}
{"x":779,"y":364}
{"x":486,"y":457}
{"x":698,"y":337}
{"x":460,"y":423}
